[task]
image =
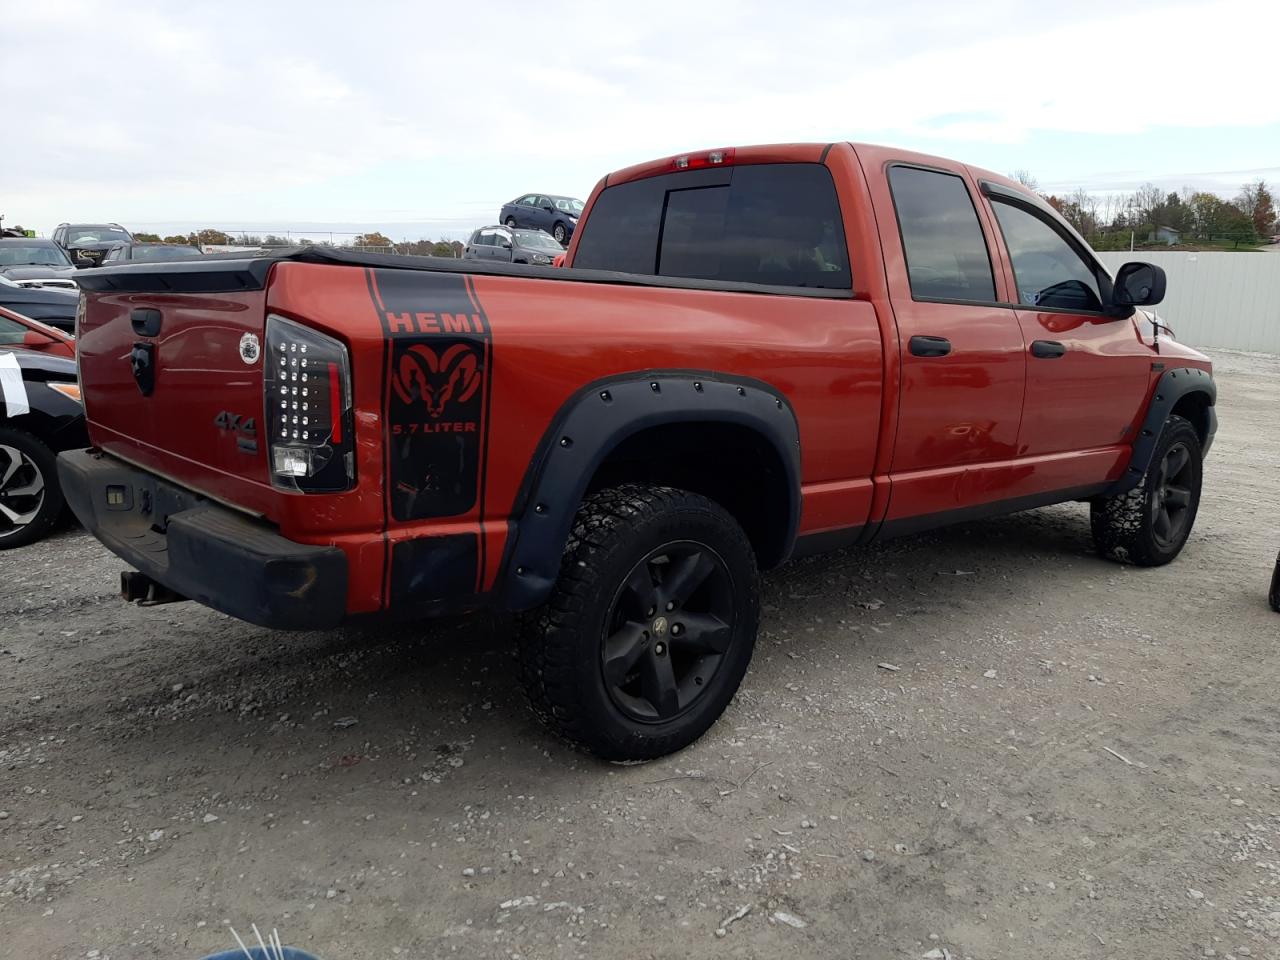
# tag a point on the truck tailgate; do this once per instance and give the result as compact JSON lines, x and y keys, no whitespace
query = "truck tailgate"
{"x":169,"y":368}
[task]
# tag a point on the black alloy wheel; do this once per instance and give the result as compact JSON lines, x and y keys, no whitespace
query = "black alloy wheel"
{"x":668,"y":629}
{"x":1171,"y":502}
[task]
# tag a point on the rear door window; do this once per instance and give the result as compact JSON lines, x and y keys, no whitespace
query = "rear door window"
{"x":947,"y":256}
{"x":776,"y":224}
{"x":1049,"y":272}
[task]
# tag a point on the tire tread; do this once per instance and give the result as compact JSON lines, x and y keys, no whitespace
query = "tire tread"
{"x":546,"y":647}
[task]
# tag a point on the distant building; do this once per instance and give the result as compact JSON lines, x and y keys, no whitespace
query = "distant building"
{"x":1166,"y":235}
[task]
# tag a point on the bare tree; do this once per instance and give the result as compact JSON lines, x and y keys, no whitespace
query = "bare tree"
{"x":1145,"y":201}
{"x":1025,"y":178}
{"x":1087,"y":206}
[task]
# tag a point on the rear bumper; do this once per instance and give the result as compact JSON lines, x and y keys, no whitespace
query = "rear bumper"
{"x":202,"y":550}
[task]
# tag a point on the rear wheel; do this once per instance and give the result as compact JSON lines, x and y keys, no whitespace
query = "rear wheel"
{"x":511,"y":223}
{"x":650,"y":626}
{"x":1149,"y":524}
{"x":30,"y":498}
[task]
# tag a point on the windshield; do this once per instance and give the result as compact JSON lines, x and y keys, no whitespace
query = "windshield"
{"x":569,"y":205}
{"x":537,"y":240}
{"x":95,"y":233}
{"x":32,"y":254}
{"x":163,"y":252}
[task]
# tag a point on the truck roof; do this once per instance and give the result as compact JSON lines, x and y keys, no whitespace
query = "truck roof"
{"x":800,"y":153}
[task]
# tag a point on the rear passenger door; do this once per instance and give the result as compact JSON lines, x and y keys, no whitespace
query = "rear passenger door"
{"x":538,"y":215}
{"x":500,"y":242}
{"x":525,"y":208}
{"x":1087,"y":373}
{"x":962,"y":361}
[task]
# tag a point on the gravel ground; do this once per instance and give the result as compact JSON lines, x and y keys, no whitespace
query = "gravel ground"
{"x":982,"y":742}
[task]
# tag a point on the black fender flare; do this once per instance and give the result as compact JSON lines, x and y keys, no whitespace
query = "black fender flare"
{"x":591,"y":424}
{"x":1172,"y":386}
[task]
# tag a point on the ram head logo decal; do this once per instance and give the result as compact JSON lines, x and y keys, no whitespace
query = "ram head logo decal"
{"x":437,"y":379}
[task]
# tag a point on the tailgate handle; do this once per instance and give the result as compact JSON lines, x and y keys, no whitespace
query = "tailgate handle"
{"x":146,"y":321}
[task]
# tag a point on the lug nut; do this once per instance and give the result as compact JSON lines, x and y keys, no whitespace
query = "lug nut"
{"x":660,"y":648}
{"x":676,"y":628}
{"x":671,"y":605}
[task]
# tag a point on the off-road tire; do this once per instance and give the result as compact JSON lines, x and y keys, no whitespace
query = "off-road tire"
{"x":1125,"y":526}
{"x":562,"y":643}
{"x":43,"y":460}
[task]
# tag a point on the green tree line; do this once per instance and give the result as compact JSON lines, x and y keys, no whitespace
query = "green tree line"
{"x":374,"y":241}
{"x":1109,"y":222}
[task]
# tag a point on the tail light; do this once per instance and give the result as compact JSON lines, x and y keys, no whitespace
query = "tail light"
{"x":307,"y":386}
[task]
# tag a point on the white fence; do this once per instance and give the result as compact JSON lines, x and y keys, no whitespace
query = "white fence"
{"x":1229,"y":300}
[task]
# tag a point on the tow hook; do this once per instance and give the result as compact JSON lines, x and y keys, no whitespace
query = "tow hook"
{"x":135,"y":586}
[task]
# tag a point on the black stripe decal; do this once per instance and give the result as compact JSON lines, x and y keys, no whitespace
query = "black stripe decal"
{"x":435,"y":390}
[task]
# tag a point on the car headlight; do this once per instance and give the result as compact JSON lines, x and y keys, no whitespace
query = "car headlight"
{"x":539,"y":258}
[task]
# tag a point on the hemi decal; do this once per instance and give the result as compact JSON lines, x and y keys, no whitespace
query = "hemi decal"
{"x":12,"y":387}
{"x":436,"y":407}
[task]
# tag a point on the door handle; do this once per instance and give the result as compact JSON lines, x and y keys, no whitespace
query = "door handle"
{"x":930,"y":346}
{"x":1047,"y":349}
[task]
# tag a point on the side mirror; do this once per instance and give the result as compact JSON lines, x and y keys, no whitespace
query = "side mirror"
{"x":1138,"y":285}
{"x":549,"y":208}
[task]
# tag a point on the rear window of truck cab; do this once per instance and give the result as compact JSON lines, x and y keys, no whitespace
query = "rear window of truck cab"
{"x":777,"y":224}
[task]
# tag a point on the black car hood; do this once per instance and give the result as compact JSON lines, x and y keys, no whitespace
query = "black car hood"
{"x":39,"y":271}
{"x":16,"y":296}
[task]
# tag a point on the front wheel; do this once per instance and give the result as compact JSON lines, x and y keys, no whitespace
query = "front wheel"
{"x":1149,"y":524}
{"x":30,"y":498}
{"x":650,"y":627}
{"x":561,"y":233}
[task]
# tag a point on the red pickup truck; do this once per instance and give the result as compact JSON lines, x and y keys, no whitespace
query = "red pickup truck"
{"x":748,"y":355}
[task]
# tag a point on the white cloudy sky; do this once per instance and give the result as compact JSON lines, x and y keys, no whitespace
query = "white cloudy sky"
{"x":422,"y":118}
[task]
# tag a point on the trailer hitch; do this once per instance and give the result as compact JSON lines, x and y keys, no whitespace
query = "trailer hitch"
{"x":138,"y":587}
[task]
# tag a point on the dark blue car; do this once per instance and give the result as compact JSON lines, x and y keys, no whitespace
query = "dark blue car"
{"x":557,"y":216}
